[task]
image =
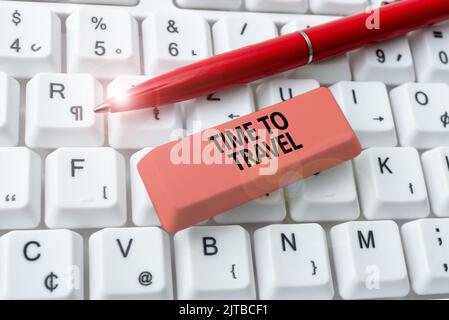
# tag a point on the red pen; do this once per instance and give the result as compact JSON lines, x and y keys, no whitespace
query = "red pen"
{"x":267,"y":58}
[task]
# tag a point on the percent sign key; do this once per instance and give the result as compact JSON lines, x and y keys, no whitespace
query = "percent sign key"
{"x":99,"y":23}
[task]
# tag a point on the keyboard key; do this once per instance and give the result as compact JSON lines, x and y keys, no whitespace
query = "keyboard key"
{"x":214,"y":263}
{"x":436,"y":170}
{"x":328,"y":196}
{"x":431,"y":53}
{"x":422,"y":114}
{"x":233,"y":32}
{"x":426,"y":248}
{"x":269,"y":208}
{"x":9,"y":111}
{"x":41,"y":264}
{"x":326,"y":72}
{"x":378,"y":3}
{"x":306,"y":21}
{"x":20,"y":188}
{"x":142,"y":207}
{"x":218,"y":108}
{"x":85,"y":188}
{"x":31,"y":40}
{"x":369,"y":261}
{"x":288,"y":6}
{"x":141,"y":264}
{"x":172,"y":40}
{"x":104,"y":43}
{"x":141,"y":128}
{"x":292,"y":262}
{"x":103,"y":2}
{"x":367,"y":108}
{"x":273,"y":91}
{"x":210,"y":4}
{"x":391,"y":184}
{"x":340,"y":7}
{"x":390,"y":62}
{"x":59,"y":111}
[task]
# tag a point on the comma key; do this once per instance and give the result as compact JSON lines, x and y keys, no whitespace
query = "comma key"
{"x":246,"y":158}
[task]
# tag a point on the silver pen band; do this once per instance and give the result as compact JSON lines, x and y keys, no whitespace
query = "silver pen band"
{"x":309,"y":44}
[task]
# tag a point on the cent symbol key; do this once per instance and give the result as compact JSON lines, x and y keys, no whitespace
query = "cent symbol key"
{"x":422,"y":114}
{"x":103,"y":43}
{"x":30,"y":40}
{"x":41,"y":265}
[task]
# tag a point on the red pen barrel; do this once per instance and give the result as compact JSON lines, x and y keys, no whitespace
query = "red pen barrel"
{"x":220,"y":72}
{"x":261,"y":60}
{"x":353,"y":32}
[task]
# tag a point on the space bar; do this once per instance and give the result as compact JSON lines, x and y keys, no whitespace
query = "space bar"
{"x":99,"y":2}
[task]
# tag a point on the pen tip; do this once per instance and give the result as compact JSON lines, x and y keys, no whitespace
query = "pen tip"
{"x":104,"y":107}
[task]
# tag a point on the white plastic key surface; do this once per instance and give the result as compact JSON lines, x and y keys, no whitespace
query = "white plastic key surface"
{"x":426,"y":248}
{"x":326,"y":72}
{"x":59,"y":111}
{"x":143,"y":212}
{"x":288,"y":6}
{"x":141,"y":128}
{"x":210,"y":4}
{"x":9,"y":111}
{"x":436,"y":170}
{"x":103,"y":2}
{"x":274,"y":91}
{"x":366,"y":105}
{"x":292,"y":262}
{"x":85,"y":188}
{"x":340,"y":7}
{"x":328,"y":196}
{"x":218,"y":108}
{"x":174,"y":40}
{"x":391,"y":184}
{"x":130,"y":263}
{"x":41,"y":264}
{"x":20,"y":188}
{"x":422,"y":114}
{"x":214,"y":263}
{"x":268,"y":208}
{"x":378,"y":3}
{"x":31,"y":40}
{"x":104,"y":43}
{"x":431,"y":54}
{"x":369,"y":260}
{"x":232,"y":32}
{"x":390,"y":62}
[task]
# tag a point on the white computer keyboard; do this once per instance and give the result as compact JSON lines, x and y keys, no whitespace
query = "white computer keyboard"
{"x":77,"y":223}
